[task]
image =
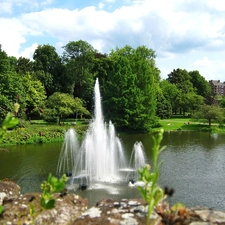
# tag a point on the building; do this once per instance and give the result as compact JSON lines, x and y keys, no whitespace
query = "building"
{"x":218,"y":87}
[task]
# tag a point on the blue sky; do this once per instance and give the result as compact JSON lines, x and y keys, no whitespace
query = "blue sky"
{"x":186,"y":34}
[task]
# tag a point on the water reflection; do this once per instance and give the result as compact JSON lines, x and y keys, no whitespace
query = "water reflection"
{"x":194,"y":165}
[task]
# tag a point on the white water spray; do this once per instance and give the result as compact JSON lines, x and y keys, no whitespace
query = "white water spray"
{"x":100,"y":158}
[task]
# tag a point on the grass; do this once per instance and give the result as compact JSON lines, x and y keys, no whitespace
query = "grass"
{"x":39,"y":131}
{"x":186,"y":123}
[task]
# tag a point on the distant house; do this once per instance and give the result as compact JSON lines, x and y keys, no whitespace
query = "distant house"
{"x":218,"y":87}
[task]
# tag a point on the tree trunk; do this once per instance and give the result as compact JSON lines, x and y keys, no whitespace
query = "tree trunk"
{"x":209,"y":122}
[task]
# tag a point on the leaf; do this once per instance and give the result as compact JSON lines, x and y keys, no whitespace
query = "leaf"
{"x":50,"y":204}
{"x":10,"y":121}
{"x":178,"y":206}
{"x":43,"y":203}
{"x":59,"y":186}
{"x":1,"y":209}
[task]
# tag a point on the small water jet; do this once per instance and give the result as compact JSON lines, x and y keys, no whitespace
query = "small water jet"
{"x":68,"y":153}
{"x":100,"y":158}
{"x":137,"y":161}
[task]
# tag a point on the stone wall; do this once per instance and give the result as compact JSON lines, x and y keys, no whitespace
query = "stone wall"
{"x":71,"y":209}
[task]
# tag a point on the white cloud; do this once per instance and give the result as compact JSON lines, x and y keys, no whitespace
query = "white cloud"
{"x":202,"y":62}
{"x":12,"y":35}
{"x":29,"y":51}
{"x":6,"y":7}
{"x":174,"y":28}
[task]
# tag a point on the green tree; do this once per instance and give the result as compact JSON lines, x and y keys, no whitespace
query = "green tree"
{"x":163,"y":107}
{"x":118,"y":107}
{"x":182,"y":80}
{"x":170,"y":92}
{"x":222,"y":102}
{"x":78,"y":58}
{"x":129,"y":92}
{"x":60,"y":105}
{"x":193,"y":102}
{"x":35,"y":94}
{"x":11,"y":87}
{"x":200,"y":84}
{"x":24,"y":66}
{"x":210,"y":113}
{"x":48,"y":68}
{"x":4,"y":61}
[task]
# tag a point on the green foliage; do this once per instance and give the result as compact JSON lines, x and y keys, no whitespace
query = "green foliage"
{"x":48,"y":68}
{"x":40,"y":133}
{"x":1,"y":209}
{"x":49,"y":187}
{"x":35,"y":94}
{"x":129,"y":90}
{"x":200,"y":84}
{"x":78,"y":57}
{"x":222,"y":102}
{"x":163,"y":107}
{"x":182,"y":79}
{"x":151,"y":192}
{"x":210,"y":113}
{"x":60,"y":105}
{"x":9,"y":122}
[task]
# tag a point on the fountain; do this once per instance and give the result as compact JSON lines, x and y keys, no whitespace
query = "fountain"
{"x":100,"y":158}
{"x":137,"y":160}
{"x":68,"y":155}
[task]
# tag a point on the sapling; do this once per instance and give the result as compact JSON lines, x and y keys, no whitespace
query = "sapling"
{"x":151,"y":192}
{"x":1,"y":209}
{"x":49,"y":187}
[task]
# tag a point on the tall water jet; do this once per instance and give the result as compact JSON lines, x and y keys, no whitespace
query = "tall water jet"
{"x":101,"y":154}
{"x":100,"y":158}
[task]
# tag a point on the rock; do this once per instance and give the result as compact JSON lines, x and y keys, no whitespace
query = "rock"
{"x":8,"y":190}
{"x":124,"y":212}
{"x":71,"y":209}
{"x":67,"y":208}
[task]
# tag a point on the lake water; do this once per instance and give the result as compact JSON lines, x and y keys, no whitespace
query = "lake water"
{"x":193,"y":164}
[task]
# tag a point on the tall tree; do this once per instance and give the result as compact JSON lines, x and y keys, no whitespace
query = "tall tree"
{"x":78,"y":57}
{"x":35,"y":94}
{"x":200,"y":84}
{"x":182,"y":79}
{"x":129,"y":95}
{"x":170,"y":92}
{"x":24,"y":66}
{"x":11,"y":88}
{"x":48,"y":67}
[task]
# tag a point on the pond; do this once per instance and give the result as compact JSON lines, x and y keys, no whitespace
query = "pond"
{"x":193,"y":164}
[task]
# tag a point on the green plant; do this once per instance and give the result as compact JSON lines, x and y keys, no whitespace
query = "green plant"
{"x":49,"y":187}
{"x":1,"y":209}
{"x":32,"y":211}
{"x":9,"y":122}
{"x":151,"y":192}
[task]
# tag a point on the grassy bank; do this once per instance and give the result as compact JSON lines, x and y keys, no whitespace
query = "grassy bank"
{"x":185,"y":123}
{"x":39,"y":131}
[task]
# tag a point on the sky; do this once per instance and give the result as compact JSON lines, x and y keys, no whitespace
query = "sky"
{"x":185,"y":34}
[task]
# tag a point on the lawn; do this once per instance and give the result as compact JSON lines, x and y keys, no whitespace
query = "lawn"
{"x":186,"y":123}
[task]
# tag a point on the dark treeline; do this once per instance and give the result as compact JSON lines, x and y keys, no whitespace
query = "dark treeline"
{"x":134,"y":96}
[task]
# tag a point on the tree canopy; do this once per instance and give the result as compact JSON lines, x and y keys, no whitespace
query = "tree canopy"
{"x":129,"y":95}
{"x":133,"y":95}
